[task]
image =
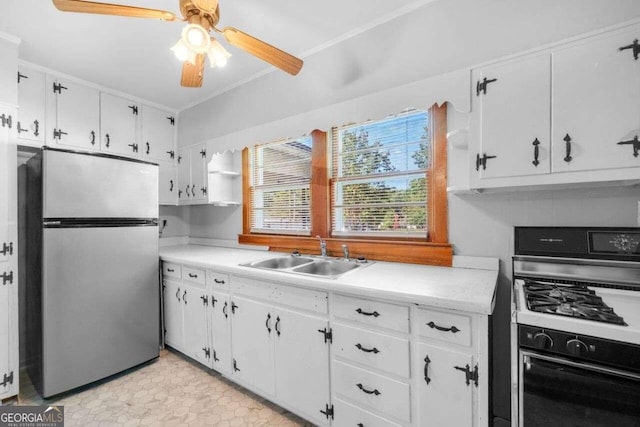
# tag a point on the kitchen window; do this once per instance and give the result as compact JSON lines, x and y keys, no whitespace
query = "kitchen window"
{"x":378,"y":187}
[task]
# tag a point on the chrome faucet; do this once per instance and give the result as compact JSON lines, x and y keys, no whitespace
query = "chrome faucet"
{"x":323,"y":246}
{"x":345,"y":251}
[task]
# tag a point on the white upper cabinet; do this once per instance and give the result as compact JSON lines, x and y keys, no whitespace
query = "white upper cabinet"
{"x":8,"y":66}
{"x":510,"y":121}
{"x":118,"y":118}
{"x":158,"y":130}
{"x":168,"y":184}
{"x":73,"y":116}
{"x":192,"y":171}
{"x":596,"y":103}
{"x":31,"y":115}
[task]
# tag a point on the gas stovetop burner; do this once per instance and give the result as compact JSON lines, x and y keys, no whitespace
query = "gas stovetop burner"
{"x":569,"y":300}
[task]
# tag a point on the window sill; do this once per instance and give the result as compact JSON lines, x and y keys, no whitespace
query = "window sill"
{"x":407,"y":251}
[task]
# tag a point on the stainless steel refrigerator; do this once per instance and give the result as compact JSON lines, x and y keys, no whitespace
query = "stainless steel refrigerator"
{"x":92,"y":267}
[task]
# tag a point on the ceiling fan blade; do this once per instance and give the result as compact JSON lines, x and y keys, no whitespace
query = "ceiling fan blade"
{"x":192,"y":73}
{"x":112,"y":9}
{"x":262,"y":50}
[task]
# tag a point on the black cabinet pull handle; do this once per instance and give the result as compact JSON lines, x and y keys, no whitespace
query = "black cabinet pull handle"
{"x":235,"y":366}
{"x":233,"y":307}
{"x":224,"y":310}
{"x":193,"y":190}
{"x":567,"y":140}
{"x":184,"y":296}
{"x":36,"y":124}
{"x":195,"y":276}
{"x":360,"y":425}
{"x":170,"y":270}
{"x":108,"y":140}
{"x":213,"y":301}
{"x":452,"y":329}
{"x":536,"y":152}
{"x":427,"y":361}
{"x":148,"y":148}
{"x":220,"y":282}
{"x":187,"y":191}
{"x":278,"y":325}
{"x":633,"y":142}
{"x":93,"y":138}
{"x":266,"y":323}
{"x":367,"y":350}
{"x":374,"y":391}
{"x":171,"y":185}
{"x":178,"y":294}
{"x":364,"y":313}
{"x":635,"y":46}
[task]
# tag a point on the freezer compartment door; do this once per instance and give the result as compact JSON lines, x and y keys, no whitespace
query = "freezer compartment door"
{"x":100,"y":303}
{"x":81,"y":185}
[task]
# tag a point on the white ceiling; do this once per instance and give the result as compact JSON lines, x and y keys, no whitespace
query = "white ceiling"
{"x":132,"y":55}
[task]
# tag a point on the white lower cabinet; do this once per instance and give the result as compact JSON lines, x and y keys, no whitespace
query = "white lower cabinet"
{"x":446,"y":396}
{"x":332,"y":359}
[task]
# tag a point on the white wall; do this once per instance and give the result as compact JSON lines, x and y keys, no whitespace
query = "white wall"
{"x":440,"y":37}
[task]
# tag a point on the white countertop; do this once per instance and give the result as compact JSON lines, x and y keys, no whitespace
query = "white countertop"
{"x":464,"y":289}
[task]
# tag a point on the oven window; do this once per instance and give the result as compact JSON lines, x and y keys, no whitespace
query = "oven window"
{"x":558,"y":394}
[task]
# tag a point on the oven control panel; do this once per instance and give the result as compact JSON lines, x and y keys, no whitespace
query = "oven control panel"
{"x":580,"y":347}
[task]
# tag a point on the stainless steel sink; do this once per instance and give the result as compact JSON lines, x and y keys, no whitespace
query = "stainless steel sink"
{"x":326,"y":267}
{"x":279,"y":263}
{"x":330,"y":268}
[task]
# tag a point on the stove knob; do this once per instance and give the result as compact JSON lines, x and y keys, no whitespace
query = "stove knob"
{"x":576,"y":347}
{"x":542,"y":341}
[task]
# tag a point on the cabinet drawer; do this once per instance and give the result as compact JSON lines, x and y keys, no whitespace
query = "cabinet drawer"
{"x":374,"y":313}
{"x":218,"y":280}
{"x":303,"y":299}
{"x":349,"y":415}
{"x":170,"y":269}
{"x":253,"y":288}
{"x":380,"y":351}
{"x":372,"y":390}
{"x":449,"y":327}
{"x":195,"y":275}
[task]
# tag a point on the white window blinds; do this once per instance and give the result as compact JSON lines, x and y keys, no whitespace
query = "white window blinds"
{"x":379,"y":177}
{"x":280,"y":181}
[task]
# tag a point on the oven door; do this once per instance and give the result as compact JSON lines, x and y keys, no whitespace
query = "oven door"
{"x":561,"y":392}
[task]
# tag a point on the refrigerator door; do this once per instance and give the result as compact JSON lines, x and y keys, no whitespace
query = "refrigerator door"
{"x":83,"y":185}
{"x":100,"y":303}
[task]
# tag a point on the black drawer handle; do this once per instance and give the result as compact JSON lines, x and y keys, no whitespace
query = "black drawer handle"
{"x":266,"y":323}
{"x":178,"y":294}
{"x":452,"y":329}
{"x":278,"y":325}
{"x":184,"y":296}
{"x":567,"y":140}
{"x":220,"y":282}
{"x":364,"y":313}
{"x":224,"y":310}
{"x":374,"y":391}
{"x":536,"y":152}
{"x":193,"y":275}
{"x":170,"y":270}
{"x":367,"y":350}
{"x":93,"y":138}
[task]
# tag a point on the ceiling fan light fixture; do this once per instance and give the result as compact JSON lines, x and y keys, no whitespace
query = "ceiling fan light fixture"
{"x":217,"y":54}
{"x":196,"y":38}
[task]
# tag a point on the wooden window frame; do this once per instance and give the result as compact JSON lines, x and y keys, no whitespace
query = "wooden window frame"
{"x":434,"y":250}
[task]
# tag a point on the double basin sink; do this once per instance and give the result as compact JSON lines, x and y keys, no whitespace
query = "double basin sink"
{"x":331,"y":268}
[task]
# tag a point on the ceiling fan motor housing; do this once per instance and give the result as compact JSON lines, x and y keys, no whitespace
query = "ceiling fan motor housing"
{"x":203,"y":12}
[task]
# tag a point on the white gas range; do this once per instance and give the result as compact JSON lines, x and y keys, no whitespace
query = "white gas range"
{"x":576,"y":327}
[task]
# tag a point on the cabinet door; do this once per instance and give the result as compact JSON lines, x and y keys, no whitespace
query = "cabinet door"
{"x":511,"y":118}
{"x":173,"y":322}
{"x":5,"y":345}
{"x":196,"y":335}
{"x":252,"y":328}
{"x":168,"y":191}
{"x":184,"y":175}
{"x":198,"y":173}
{"x":31,"y":90}
{"x":158,"y":129}
{"x":118,"y":125}
{"x":446,"y":400}
{"x":596,"y":104}
{"x":302,"y":363}
{"x":77,"y":115}
{"x":220,"y":337}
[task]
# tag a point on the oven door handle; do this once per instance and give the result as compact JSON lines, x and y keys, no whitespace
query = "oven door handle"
{"x":579,"y":365}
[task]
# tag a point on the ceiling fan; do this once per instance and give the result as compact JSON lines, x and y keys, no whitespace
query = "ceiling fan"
{"x":202,"y":16}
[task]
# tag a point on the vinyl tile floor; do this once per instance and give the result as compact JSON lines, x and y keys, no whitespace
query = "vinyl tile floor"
{"x":172,"y":391}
